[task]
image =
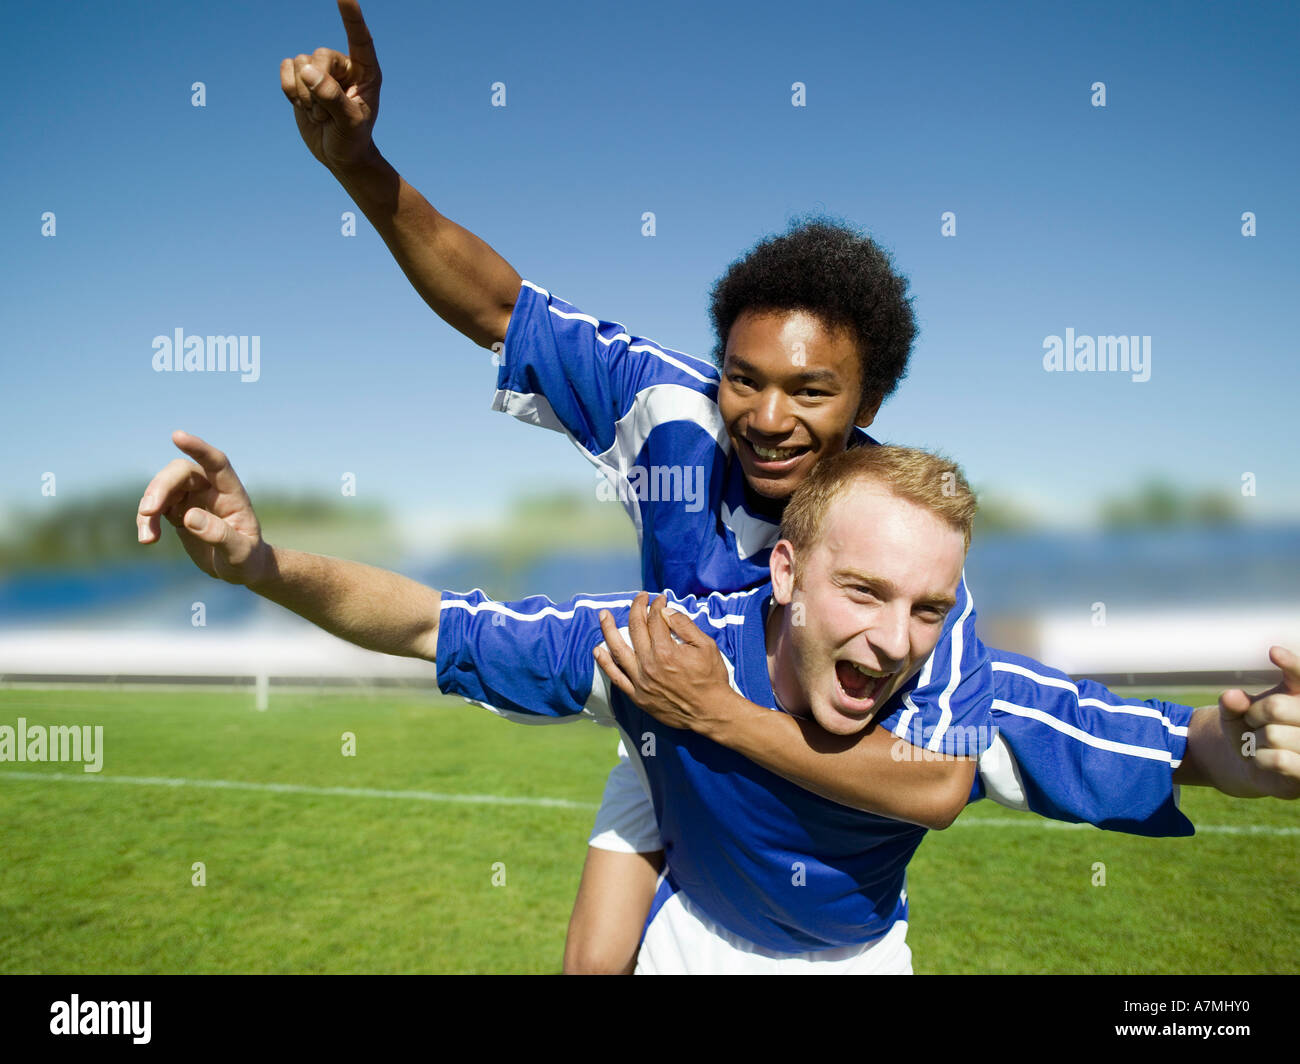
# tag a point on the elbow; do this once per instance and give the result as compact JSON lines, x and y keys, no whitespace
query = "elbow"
{"x":943,"y":818}
{"x":425,"y":644}
{"x":429,"y":645}
{"x":953,"y":797}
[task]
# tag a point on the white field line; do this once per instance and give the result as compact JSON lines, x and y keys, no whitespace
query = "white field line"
{"x":298,"y":788}
{"x":557,"y":803}
{"x":1201,"y":829}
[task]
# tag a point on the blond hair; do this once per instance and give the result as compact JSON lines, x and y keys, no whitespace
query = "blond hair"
{"x":931,"y":481}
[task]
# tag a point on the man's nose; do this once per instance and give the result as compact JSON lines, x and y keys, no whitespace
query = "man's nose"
{"x":772,"y":414}
{"x":890,"y":637}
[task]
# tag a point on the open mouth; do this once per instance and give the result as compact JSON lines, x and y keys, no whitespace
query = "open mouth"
{"x":774,"y":459}
{"x":860,"y":690}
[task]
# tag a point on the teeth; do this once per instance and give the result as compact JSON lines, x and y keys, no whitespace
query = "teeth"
{"x":866,"y":672}
{"x":775,"y":454}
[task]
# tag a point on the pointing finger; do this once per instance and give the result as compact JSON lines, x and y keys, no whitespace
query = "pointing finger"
{"x":216,"y":466}
{"x":361,"y":47}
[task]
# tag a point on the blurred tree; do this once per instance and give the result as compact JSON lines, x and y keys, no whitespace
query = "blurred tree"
{"x":1158,"y":502}
{"x":94,"y":530}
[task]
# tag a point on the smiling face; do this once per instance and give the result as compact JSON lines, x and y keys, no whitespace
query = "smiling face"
{"x":790,"y":395}
{"x":867,"y":609}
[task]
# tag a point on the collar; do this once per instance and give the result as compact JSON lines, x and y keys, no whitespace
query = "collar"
{"x":751,"y":663}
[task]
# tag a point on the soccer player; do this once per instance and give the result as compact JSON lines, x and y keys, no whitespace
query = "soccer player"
{"x":813,"y":332}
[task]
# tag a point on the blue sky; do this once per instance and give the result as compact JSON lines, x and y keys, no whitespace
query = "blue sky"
{"x":1117,"y":220}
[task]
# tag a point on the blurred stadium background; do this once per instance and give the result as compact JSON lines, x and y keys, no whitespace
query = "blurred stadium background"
{"x":1164,"y":588}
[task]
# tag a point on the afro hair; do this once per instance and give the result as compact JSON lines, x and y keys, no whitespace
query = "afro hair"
{"x":837,"y":273}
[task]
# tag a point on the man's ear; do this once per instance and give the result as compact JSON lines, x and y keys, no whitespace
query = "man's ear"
{"x":781,"y":566}
{"x":867,"y":412}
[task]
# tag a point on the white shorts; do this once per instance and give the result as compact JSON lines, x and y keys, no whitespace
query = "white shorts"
{"x":626,"y":820}
{"x":681,"y":940}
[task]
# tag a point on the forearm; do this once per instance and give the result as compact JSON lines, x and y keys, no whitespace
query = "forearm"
{"x":875,"y":772}
{"x":373,"y":608}
{"x":460,"y":276}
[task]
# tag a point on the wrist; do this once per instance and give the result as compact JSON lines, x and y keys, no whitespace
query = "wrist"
{"x":369,"y":161}
{"x":728,"y":713}
{"x":262,"y":569}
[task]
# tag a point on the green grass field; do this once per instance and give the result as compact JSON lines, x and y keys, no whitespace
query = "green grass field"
{"x":96,"y":875}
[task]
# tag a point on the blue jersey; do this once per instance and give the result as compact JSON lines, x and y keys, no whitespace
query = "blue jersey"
{"x":646,"y":416}
{"x":776,"y":864}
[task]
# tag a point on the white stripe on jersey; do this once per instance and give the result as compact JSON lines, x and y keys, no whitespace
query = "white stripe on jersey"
{"x":954,"y":678}
{"x":905,"y":721}
{"x":1083,"y":736}
{"x":753,"y":534}
{"x":652,"y":348}
{"x":530,"y":408}
{"x":1066,"y":685}
{"x":593,"y":604}
{"x":658,"y":405}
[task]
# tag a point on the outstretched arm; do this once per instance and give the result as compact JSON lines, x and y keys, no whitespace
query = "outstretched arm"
{"x":373,"y":608}
{"x":213,"y":516}
{"x":336,"y":103}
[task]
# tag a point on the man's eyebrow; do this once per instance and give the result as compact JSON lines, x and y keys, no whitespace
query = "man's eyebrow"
{"x":941,"y":600}
{"x":806,"y":376}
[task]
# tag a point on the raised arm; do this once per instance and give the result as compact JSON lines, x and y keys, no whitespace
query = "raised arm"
{"x":213,"y":516}
{"x":336,"y":103}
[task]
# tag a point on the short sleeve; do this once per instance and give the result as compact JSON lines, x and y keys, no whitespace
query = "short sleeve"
{"x":530,"y":660}
{"x":591,"y":379}
{"x":1071,"y":750}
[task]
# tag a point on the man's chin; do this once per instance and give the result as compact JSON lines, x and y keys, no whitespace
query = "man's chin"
{"x":837,"y":723}
{"x":771,"y":488}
